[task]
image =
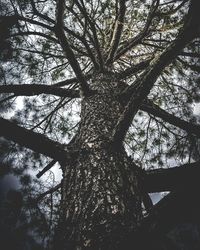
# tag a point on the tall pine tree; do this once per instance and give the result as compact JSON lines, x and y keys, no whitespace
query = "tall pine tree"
{"x":107,"y":90}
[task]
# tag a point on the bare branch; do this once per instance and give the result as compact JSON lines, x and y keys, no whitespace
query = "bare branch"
{"x":67,"y":49}
{"x":44,"y":170}
{"x":172,"y":11}
{"x":7,"y":99}
{"x":50,"y":191}
{"x":50,"y":115}
{"x":134,"y":69}
{"x":70,"y":81}
{"x":36,"y":12}
{"x":155,"y":110}
{"x":82,"y":38}
{"x":37,"y":142}
{"x":40,"y":53}
{"x":190,"y":54}
{"x":32,"y":21}
{"x":37,"y":89}
{"x":117,"y":31}
{"x":70,"y":32}
{"x":167,"y":179}
{"x":35,"y":33}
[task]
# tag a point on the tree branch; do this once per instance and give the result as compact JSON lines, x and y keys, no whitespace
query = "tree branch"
{"x":160,"y":180}
{"x":37,"y":89}
{"x":50,"y":191}
{"x":143,"y":85}
{"x":40,"y":53}
{"x":35,"y":141}
{"x":7,"y":98}
{"x":190,"y":54}
{"x":32,"y":21}
{"x":44,"y":170}
{"x":133,"y":69}
{"x":35,"y":33}
{"x":117,"y":32}
{"x":67,"y":49}
{"x":71,"y":81}
{"x":155,"y":110}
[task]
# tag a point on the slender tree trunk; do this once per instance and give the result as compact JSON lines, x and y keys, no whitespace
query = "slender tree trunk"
{"x":100,"y":196}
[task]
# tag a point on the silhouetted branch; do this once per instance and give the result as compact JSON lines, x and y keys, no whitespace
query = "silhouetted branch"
{"x":133,"y":69}
{"x":35,"y":33}
{"x":155,"y":110}
{"x":44,"y":170}
{"x":67,"y":49}
{"x":94,"y":32}
{"x":167,"y":179}
{"x":32,"y":21}
{"x":190,"y":54}
{"x":37,"y":89}
{"x":50,"y":191}
{"x":35,"y":141}
{"x":7,"y":99}
{"x":117,"y":31}
{"x":70,"y":81}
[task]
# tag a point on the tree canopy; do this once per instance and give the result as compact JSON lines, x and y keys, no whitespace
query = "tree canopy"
{"x":50,"y":53}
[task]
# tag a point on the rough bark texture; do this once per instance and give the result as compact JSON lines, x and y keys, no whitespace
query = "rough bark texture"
{"x":100,"y":196}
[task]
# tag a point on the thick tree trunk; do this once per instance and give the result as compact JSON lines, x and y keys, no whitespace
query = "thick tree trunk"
{"x":100,"y":196}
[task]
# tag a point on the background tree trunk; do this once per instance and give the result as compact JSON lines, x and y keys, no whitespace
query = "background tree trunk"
{"x":100,"y":197}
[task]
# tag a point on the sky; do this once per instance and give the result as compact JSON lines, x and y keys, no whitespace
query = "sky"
{"x":197,"y":109}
